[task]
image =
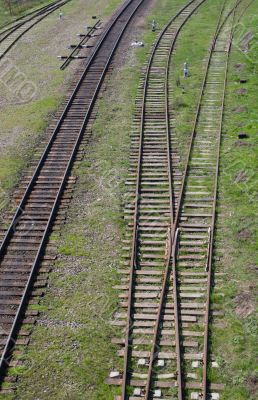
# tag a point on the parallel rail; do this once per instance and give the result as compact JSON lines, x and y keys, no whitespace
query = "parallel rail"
{"x":80,"y":45}
{"x":196,"y":212}
{"x":152,"y":167}
{"x":171,"y":217}
{"x":25,"y":239}
{"x":171,"y":32}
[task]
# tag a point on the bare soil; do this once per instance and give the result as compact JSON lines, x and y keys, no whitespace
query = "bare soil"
{"x":240,"y":177}
{"x":244,"y":304}
{"x":240,"y":143}
{"x":240,"y":109}
{"x":244,"y":234}
{"x":252,"y":384}
{"x":244,"y":45}
{"x":241,"y":91}
{"x":239,"y":66}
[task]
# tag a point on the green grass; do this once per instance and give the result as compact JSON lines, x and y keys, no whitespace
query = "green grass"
{"x":235,"y":345}
{"x":110,"y":7}
{"x":18,"y":9}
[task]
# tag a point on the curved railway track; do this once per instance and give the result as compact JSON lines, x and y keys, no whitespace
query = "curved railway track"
{"x":24,"y":242}
{"x":4,"y":28}
{"x":167,"y":280}
{"x":10,"y":36}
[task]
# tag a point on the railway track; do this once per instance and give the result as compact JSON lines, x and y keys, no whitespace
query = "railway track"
{"x":10,"y":35}
{"x":22,"y":247}
{"x":167,"y":275}
{"x":9,"y":25}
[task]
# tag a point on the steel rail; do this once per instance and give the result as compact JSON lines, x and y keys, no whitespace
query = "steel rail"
{"x":48,"y":11}
{"x":19,"y":209}
{"x":174,"y":230}
{"x":25,"y":16}
{"x":20,"y":311}
{"x":78,"y":46}
{"x":133,"y":258}
{"x":211,"y":247}
{"x":170,"y":247}
{"x":174,"y":233}
{"x":242,"y":13}
{"x":209,"y":264}
{"x":176,"y":223}
{"x":190,"y":146}
{"x":195,"y":124}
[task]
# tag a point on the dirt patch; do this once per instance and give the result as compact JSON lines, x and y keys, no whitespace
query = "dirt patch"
{"x":48,"y":322}
{"x":241,"y":124}
{"x":240,"y":109}
{"x":244,"y":234}
{"x":244,"y":304}
{"x":239,"y":66}
{"x":245,"y":42}
{"x":240,"y":177}
{"x":253,"y":268}
{"x":241,"y":91}
{"x":252,"y":384}
{"x":240,"y":143}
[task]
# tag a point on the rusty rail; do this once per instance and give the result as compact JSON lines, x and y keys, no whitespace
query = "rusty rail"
{"x":211,"y":236}
{"x":172,"y":232}
{"x":125,"y":14}
{"x":79,"y":45}
{"x":133,"y":263}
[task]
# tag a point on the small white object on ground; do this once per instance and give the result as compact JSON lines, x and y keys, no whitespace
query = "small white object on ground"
{"x":194,"y":396}
{"x":215,"y":396}
{"x":195,"y":364}
{"x":214,"y":364}
{"x":161,"y":363}
{"x":114,"y":374}
{"x":141,"y":361}
{"x":157,"y":393}
{"x":137,"y":44}
{"x":192,"y":375}
{"x":137,"y":392}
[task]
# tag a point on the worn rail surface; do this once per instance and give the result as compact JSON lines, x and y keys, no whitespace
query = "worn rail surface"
{"x":10,"y":36}
{"x":81,"y":45}
{"x":24,"y":241}
{"x":167,"y":274}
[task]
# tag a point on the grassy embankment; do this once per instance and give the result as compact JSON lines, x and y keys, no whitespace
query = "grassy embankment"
{"x":71,"y":348}
{"x":235,"y":344}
